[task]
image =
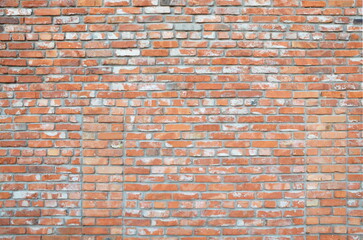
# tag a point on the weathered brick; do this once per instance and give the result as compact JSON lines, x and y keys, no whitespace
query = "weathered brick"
{"x":187,"y":27}
{"x":172,"y":119}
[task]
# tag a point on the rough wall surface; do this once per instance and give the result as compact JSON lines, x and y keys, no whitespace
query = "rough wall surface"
{"x":181,"y":119}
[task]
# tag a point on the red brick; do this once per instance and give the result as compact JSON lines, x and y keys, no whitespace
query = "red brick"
{"x":155,"y":53}
{"x":7,"y":79}
{"x":165,"y":44}
{"x":344,"y":3}
{"x":47,"y":12}
{"x":313,"y":4}
{"x":89,"y":3}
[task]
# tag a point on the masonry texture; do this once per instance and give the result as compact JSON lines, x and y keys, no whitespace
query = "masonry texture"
{"x":181,"y":120}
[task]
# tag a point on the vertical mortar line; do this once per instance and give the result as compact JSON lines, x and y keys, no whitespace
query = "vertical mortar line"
{"x":346,"y":162}
{"x":82,"y":152}
{"x":124,"y":131}
{"x":360,"y":133}
{"x":305,"y":155}
{"x":305,"y":166}
{"x":81,"y":18}
{"x":81,"y":168}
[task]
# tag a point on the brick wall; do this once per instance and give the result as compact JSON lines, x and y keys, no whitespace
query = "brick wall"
{"x":181,"y":119}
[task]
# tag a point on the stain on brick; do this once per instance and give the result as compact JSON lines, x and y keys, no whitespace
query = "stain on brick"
{"x":165,"y":2}
{"x":8,"y":20}
{"x":358,"y":21}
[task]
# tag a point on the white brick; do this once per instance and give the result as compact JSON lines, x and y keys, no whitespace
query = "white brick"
{"x":128,"y":52}
{"x":257,"y":2}
{"x":261,"y":69}
{"x":18,"y":12}
{"x":117,"y":70}
{"x":188,"y":27}
{"x":66,"y":20}
{"x":157,"y":10}
{"x":23,"y":194}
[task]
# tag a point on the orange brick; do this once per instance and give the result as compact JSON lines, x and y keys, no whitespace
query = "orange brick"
{"x":89,"y":3}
